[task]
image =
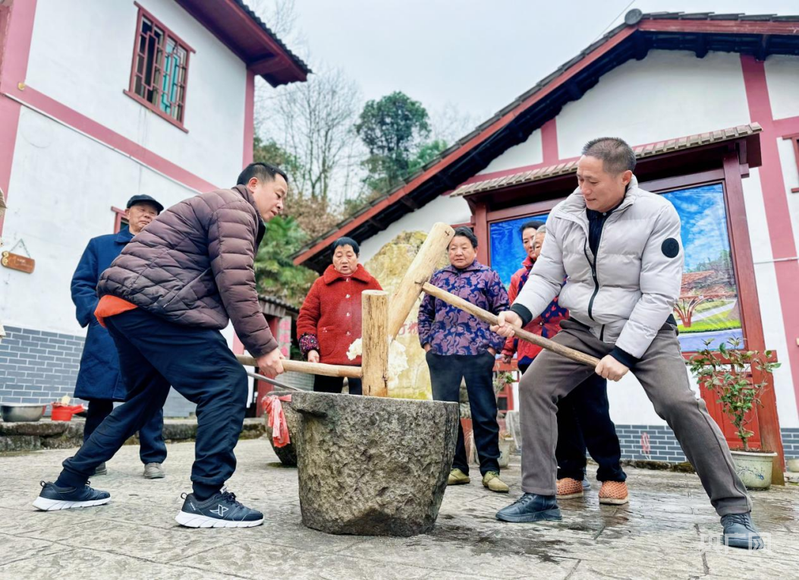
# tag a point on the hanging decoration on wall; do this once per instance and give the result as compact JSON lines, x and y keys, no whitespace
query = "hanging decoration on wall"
{"x":16,"y":261}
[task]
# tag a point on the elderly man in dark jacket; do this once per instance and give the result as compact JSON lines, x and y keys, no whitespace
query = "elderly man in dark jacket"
{"x":164,"y":301}
{"x":99,"y":381}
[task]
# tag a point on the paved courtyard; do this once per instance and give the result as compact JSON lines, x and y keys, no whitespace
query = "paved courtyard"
{"x":667,"y":531}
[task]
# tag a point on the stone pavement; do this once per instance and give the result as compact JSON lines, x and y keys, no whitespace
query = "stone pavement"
{"x":668,"y":531}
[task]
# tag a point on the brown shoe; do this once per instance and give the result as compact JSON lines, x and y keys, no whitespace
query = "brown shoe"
{"x":613,"y":493}
{"x":569,"y":488}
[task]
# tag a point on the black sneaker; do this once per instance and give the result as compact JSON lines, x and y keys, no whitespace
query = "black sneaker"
{"x":740,"y":532}
{"x":64,"y":498}
{"x":219,"y":511}
{"x":531,"y":508}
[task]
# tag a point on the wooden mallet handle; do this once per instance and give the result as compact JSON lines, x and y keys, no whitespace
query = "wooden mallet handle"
{"x":550,"y":345}
{"x":299,"y":366}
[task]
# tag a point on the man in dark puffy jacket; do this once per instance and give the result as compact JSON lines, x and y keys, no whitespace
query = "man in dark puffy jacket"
{"x":164,"y":300}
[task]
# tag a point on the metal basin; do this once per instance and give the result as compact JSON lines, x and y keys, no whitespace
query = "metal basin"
{"x":19,"y":412}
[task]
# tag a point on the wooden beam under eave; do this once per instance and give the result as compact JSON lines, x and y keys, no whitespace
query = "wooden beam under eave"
{"x":409,"y":202}
{"x":268,"y":65}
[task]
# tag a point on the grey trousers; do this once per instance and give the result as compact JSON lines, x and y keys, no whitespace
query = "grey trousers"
{"x":663,"y":376}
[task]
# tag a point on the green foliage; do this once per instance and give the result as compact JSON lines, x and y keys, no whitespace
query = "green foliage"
{"x":728,"y":373}
{"x":426,"y":154}
{"x":275,"y":273}
{"x":272,"y":153}
{"x":393,"y":130}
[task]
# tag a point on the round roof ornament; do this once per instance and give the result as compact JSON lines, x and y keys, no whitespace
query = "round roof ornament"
{"x":633,"y":17}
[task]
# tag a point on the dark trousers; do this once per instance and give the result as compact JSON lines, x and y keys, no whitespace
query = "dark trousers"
{"x":152,"y":448}
{"x":323,"y":384}
{"x":154,"y":353}
{"x":584,"y":423}
{"x":446,"y":374}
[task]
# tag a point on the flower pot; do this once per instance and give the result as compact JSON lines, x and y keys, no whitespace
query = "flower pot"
{"x":793,"y":464}
{"x":64,"y":412}
{"x":754,"y":468}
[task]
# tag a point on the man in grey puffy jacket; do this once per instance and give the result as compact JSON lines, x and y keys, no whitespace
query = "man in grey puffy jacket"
{"x":619,"y":249}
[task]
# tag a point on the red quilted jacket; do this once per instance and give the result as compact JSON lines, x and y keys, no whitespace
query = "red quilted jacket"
{"x":330,"y":317}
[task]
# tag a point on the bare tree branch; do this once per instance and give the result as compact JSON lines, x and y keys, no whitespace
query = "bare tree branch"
{"x":313,"y":122}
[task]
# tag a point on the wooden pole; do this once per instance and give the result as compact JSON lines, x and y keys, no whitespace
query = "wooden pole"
{"x":299,"y":366}
{"x":374,"y":305}
{"x":459,"y":302}
{"x":419,"y":272}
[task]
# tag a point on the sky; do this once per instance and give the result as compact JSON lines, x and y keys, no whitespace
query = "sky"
{"x":477,"y":55}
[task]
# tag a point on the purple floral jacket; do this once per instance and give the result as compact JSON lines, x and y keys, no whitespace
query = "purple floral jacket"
{"x":451,"y":331}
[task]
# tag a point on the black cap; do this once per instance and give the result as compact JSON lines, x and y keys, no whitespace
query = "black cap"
{"x":144,"y":198}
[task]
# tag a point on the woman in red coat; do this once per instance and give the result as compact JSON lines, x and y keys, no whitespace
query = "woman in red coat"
{"x":330,"y":317}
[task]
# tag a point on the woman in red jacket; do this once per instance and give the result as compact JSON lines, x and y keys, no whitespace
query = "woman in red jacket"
{"x":330,"y":317}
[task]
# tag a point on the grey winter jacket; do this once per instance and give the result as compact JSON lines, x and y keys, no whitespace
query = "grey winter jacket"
{"x":633,"y":287}
{"x":193,"y":265}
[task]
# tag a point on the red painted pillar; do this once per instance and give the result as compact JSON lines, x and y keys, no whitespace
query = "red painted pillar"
{"x":768,"y":420}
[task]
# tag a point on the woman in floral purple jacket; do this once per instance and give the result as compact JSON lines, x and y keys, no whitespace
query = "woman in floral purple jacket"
{"x":461,"y":347}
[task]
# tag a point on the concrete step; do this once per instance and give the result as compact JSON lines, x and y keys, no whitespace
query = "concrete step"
{"x":47,"y":434}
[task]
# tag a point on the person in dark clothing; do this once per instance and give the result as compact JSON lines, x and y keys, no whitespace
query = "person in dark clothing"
{"x":584,"y":421}
{"x":164,"y":300}
{"x":99,"y":381}
{"x":459,"y":347}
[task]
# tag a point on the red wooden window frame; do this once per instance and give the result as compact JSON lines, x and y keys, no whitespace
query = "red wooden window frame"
{"x":120,"y":219}
{"x":794,"y":139}
{"x":166,"y":36}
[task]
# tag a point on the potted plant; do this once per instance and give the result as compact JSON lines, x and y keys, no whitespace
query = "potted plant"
{"x":730,"y":373}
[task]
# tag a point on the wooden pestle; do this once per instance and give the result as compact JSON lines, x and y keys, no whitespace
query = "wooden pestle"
{"x":486,"y":316}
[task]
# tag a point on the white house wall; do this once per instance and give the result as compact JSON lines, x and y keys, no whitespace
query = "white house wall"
{"x":530,"y":152}
{"x":450,"y":210}
{"x":782,"y":77}
{"x":646,"y":101}
{"x":81,"y":56}
{"x":64,"y":186}
{"x":790,"y":175}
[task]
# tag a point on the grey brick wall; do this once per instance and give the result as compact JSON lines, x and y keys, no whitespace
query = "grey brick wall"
{"x":38,"y":366}
{"x":662,"y":445}
{"x":790,"y":442}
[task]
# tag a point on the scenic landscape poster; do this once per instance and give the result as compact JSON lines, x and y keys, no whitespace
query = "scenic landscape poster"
{"x":708,"y":305}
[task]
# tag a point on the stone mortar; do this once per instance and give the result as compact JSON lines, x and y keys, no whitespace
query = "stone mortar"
{"x":372,"y":466}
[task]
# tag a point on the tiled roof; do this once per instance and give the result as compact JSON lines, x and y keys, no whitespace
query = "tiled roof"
{"x":300,"y":63}
{"x":642,"y":151}
{"x":757,"y":35}
{"x":276,"y":307}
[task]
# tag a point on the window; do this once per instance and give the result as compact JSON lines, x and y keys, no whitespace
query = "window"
{"x":507,"y":250}
{"x":708,"y":307}
{"x":160,"y":69}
